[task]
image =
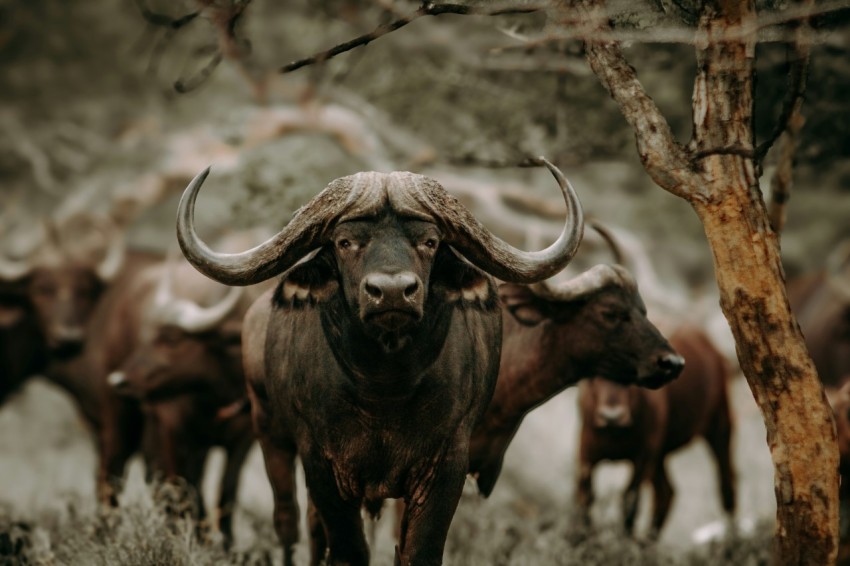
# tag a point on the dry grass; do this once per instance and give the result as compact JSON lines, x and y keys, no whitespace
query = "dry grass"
{"x":48,"y":516}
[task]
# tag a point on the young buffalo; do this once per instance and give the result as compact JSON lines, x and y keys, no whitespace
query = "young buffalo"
{"x":644,"y":427}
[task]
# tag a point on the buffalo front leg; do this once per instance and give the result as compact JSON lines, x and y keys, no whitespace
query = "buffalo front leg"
{"x":318,"y":537}
{"x":631,"y":497}
{"x":719,"y":440}
{"x":343,"y":523}
{"x":430,"y":508}
{"x":279,"y":458}
{"x":584,"y":491}
{"x":236,"y":456}
{"x":663,"y":497}
{"x":119,"y":438}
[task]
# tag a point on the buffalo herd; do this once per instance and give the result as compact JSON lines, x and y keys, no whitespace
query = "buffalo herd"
{"x":388,"y":340}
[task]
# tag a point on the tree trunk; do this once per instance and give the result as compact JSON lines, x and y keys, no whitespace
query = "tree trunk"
{"x":716,"y":173}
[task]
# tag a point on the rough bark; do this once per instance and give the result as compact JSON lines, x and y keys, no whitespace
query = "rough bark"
{"x":716,"y":174}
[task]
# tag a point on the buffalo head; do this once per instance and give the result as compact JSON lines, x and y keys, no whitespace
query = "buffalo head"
{"x":615,"y":341}
{"x":609,"y":405}
{"x":181,"y":344}
{"x":64,"y":278}
{"x":384,"y":245}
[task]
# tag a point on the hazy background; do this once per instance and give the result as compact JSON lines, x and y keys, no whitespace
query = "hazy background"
{"x":89,"y":119}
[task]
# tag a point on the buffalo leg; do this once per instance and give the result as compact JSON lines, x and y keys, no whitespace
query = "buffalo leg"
{"x":119,"y":439}
{"x":631,"y":497}
{"x":230,"y":486}
{"x":719,"y":440}
{"x":341,"y":518}
{"x":426,"y":520}
{"x":663,"y":497}
{"x":318,"y":536}
{"x":584,"y":491}
{"x":279,"y":458}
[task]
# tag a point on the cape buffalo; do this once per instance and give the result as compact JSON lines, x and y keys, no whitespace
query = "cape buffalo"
{"x":377,"y":352}
{"x":592,"y":325}
{"x":644,"y":427}
{"x":186,"y":369}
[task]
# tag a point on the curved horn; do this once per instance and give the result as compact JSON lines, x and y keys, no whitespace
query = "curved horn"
{"x":12,"y":270}
{"x":112,"y":262}
{"x":194,"y":319}
{"x":837,"y":270}
{"x":608,"y":236}
{"x":493,"y":255}
{"x":303,"y":234}
{"x":595,"y":278}
{"x":310,"y":228}
{"x":186,"y":314}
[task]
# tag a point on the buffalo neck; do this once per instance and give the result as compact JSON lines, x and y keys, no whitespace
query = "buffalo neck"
{"x":535,"y":367}
{"x":374,"y":371}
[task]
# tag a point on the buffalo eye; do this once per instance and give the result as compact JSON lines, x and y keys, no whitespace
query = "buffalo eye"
{"x":344,"y":244}
{"x":614,"y":317}
{"x":430,"y":243}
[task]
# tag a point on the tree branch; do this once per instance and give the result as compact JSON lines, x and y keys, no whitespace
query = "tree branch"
{"x":427,"y":9}
{"x":799,"y":66}
{"x":663,"y":157}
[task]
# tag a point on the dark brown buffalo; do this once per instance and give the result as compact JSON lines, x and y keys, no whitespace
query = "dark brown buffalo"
{"x":644,"y":427}
{"x":377,"y":352}
{"x":821,"y":303}
{"x":65,"y":275}
{"x":186,"y":369}
{"x":22,"y":346}
{"x":593,"y":325}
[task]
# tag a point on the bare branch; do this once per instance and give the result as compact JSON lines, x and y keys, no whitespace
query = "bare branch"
{"x":225,"y":16}
{"x":799,"y":66}
{"x":161,"y":20}
{"x":775,"y":27}
{"x":783,"y":177}
{"x":427,"y":9}
{"x":663,"y":157}
{"x":739,"y":150}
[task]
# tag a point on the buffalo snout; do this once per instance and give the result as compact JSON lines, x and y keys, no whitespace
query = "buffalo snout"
{"x":613,"y":416}
{"x":668,"y":366}
{"x":391,"y":300}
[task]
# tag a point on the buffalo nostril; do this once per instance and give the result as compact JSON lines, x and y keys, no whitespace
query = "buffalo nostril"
{"x":373,"y":291}
{"x":671,"y":363}
{"x":411,"y":289}
{"x":117,"y":379}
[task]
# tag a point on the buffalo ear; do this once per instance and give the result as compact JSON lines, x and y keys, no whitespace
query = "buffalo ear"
{"x":311,"y":281}
{"x":526,"y":307}
{"x":463,"y":283}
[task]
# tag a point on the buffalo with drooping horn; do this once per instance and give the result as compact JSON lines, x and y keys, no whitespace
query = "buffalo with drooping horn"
{"x":377,"y":352}
{"x":185,"y":368}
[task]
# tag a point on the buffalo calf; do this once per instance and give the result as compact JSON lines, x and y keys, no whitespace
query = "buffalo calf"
{"x":644,"y":427}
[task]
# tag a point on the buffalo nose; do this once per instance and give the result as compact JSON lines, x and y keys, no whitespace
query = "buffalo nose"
{"x":671,"y":364}
{"x":611,"y":414}
{"x":392,"y":290}
{"x":117,"y":379}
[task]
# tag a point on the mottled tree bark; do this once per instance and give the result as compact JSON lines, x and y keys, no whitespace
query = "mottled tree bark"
{"x":716,"y":174}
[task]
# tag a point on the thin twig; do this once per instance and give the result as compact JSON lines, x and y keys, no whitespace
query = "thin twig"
{"x":427,"y":9}
{"x":161,"y":20}
{"x":799,"y":66}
